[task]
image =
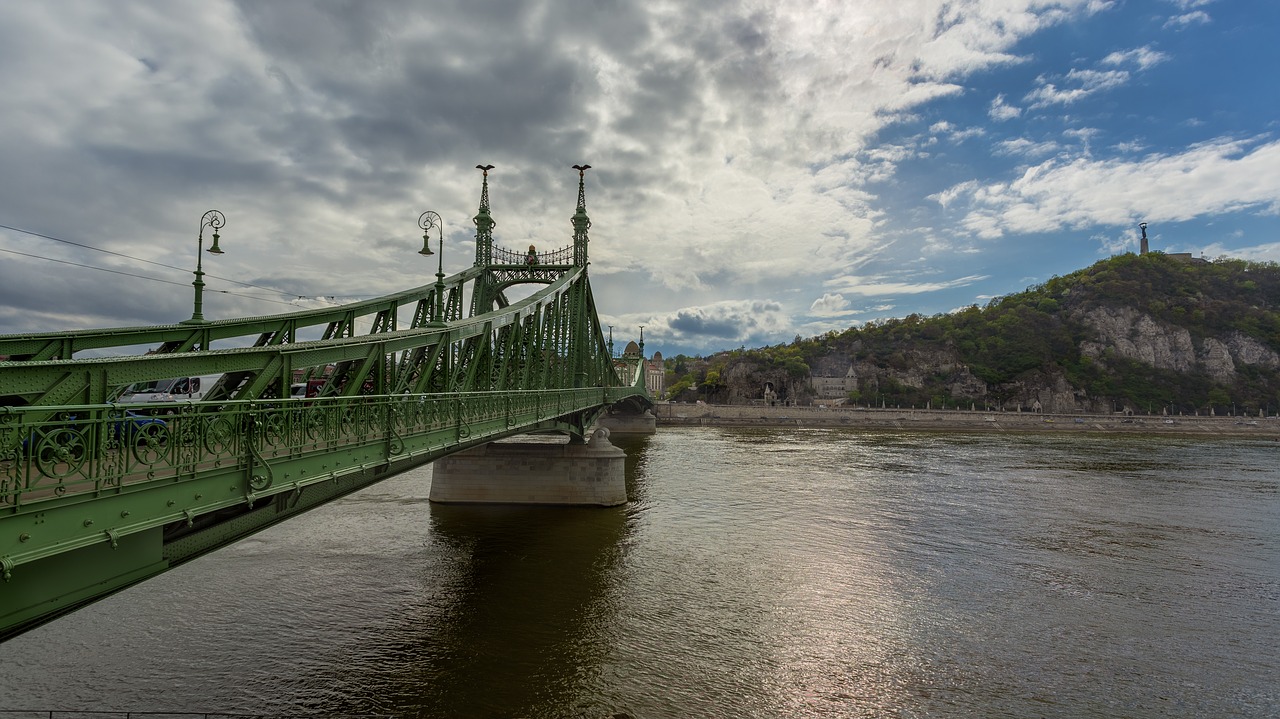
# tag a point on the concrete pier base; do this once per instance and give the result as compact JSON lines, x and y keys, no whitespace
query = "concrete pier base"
{"x":533,"y":473}
{"x":626,"y":423}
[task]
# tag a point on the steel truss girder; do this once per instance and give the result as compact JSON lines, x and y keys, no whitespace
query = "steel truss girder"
{"x":267,"y":366}
{"x":268,"y":330}
{"x":554,"y":332}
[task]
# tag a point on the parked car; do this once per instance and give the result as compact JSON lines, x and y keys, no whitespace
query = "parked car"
{"x":310,"y":388}
{"x":174,"y":389}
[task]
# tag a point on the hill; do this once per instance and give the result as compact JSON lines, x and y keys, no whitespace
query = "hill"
{"x":1146,"y":333}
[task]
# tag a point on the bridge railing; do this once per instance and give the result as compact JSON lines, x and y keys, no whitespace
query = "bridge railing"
{"x":562,"y":256}
{"x":97,"y":449}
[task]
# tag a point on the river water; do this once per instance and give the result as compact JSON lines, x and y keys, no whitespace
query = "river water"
{"x":754,"y":573}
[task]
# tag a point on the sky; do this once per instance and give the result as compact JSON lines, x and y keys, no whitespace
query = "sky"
{"x":760,"y":170}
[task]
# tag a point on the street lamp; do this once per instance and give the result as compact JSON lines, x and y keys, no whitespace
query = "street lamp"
{"x":426,"y":221}
{"x":214,"y":220}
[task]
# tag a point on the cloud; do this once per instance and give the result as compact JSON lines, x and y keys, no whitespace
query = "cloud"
{"x":1113,"y":244}
{"x":829,"y":305}
{"x":1182,"y":22}
{"x":1086,"y":83}
{"x":883,"y":286}
{"x":741,"y":148}
{"x":1130,"y":147}
{"x":1265,"y":252}
{"x":1000,"y":111}
{"x":955,"y":192}
{"x":715,"y":325}
{"x":1143,"y":57}
{"x":1023,"y":147}
{"x":1078,"y":84}
{"x":1216,"y":177}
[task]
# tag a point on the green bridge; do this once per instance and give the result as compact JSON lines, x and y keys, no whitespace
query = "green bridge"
{"x":98,"y":492}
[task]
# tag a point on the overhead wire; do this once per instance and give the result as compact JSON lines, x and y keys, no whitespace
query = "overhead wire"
{"x":136,"y":259}
{"x":91,"y":267}
{"x":140,"y":277}
{"x":170,"y":267}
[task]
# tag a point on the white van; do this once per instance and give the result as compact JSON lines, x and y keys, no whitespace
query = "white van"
{"x":174,"y":389}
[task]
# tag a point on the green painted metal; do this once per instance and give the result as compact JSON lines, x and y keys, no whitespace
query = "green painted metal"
{"x":96,"y":496}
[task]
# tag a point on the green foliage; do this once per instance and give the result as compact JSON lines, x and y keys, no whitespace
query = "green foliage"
{"x":679,"y":387}
{"x":790,"y":359}
{"x":1219,"y":398}
{"x":678,"y":364}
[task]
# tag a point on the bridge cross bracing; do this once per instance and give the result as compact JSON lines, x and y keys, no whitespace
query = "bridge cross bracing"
{"x":98,"y":493}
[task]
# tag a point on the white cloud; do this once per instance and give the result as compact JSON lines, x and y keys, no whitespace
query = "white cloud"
{"x":1113,"y":244}
{"x":1182,"y":22}
{"x":829,"y":305}
{"x":1265,"y":252}
{"x":1001,"y":111}
{"x":882,"y":286}
{"x":1130,"y":147}
{"x":1143,"y":57}
{"x":1086,"y":83}
{"x":1024,"y":147}
{"x":951,"y":194}
{"x":1213,"y":178}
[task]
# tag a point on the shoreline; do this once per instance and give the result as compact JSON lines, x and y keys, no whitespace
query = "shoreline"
{"x":958,"y":420}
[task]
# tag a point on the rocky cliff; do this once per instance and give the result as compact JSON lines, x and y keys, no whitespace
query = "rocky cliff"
{"x":1143,"y":333}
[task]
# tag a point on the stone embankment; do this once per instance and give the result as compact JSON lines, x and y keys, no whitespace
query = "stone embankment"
{"x":959,"y":420}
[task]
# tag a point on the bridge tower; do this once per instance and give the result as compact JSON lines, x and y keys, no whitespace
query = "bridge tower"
{"x":581,"y":223}
{"x":581,"y":472}
{"x":484,"y":222}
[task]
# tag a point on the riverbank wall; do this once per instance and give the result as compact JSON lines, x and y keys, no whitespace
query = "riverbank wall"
{"x":956,"y":420}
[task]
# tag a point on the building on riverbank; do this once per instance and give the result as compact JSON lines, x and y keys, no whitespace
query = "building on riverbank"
{"x":655,"y":370}
{"x":835,"y":388}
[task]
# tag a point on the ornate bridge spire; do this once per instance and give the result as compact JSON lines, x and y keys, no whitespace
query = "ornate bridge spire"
{"x":484,"y":223}
{"x":580,"y":220}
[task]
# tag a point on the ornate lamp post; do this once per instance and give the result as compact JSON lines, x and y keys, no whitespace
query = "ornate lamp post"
{"x":214,"y":220}
{"x":426,"y":221}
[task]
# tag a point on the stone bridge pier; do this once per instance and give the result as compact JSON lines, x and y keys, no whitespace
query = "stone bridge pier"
{"x":592,"y":473}
{"x":627,"y":419}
